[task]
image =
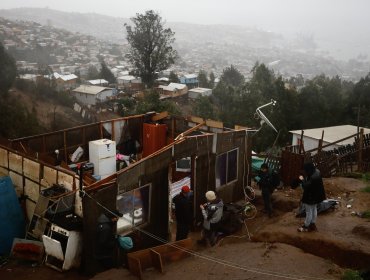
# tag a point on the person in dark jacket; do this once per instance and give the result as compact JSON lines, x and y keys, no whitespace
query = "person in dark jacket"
{"x":265,"y":184}
{"x":313,"y":194}
{"x":105,"y":246}
{"x":183,"y":213}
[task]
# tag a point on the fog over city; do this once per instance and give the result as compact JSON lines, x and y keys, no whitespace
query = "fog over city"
{"x":340,"y":27}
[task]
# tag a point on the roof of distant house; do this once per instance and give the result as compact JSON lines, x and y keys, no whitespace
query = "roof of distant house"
{"x":163,"y":79}
{"x":90,"y":89}
{"x":200,"y":90}
{"x":173,"y":87}
{"x":190,"y":76}
{"x":332,"y":133}
{"x":64,"y":77}
{"x":28,"y":76}
{"x":127,"y":78}
{"x":98,"y":82}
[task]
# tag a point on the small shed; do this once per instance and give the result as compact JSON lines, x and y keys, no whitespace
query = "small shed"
{"x":91,"y":95}
{"x":331,"y":134}
{"x":98,"y":82}
{"x":173,"y":90}
{"x":194,"y":93}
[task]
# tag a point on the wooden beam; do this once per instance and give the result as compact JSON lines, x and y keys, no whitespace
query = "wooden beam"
{"x":360,"y":147}
{"x":301,"y":147}
{"x":216,"y":124}
{"x":65,"y":146}
{"x":198,"y":126}
{"x":160,"y":116}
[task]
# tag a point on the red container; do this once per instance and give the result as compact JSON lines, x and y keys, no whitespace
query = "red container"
{"x":154,"y":138}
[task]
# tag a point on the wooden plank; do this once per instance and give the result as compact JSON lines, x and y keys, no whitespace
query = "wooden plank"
{"x":135,"y":266}
{"x":240,"y":127}
{"x":216,"y":124}
{"x":174,"y":251}
{"x":157,"y":260}
{"x":196,"y":119}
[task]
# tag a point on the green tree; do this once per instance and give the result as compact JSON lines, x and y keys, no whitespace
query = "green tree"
{"x":8,"y":70}
{"x":150,"y":43}
{"x":92,"y":73}
{"x":202,"y":79}
{"x":212,"y":80}
{"x":151,"y":102}
{"x":359,"y":103}
{"x":232,"y":76}
{"x":106,"y":74}
{"x":173,"y":78}
{"x":204,"y":108}
{"x":16,"y":121}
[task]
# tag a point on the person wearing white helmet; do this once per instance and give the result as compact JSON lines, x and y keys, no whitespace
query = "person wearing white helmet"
{"x":212,"y":212}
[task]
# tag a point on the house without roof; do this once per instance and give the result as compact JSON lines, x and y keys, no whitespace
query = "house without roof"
{"x":170,"y":151}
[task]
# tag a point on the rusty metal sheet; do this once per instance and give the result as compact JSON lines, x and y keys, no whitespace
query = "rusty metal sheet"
{"x":15,"y":163}
{"x":31,"y":169}
{"x":4,"y":158}
{"x":50,"y":176}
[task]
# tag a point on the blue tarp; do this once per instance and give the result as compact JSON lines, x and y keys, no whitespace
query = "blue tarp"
{"x":11,"y":216}
{"x":256,"y":163}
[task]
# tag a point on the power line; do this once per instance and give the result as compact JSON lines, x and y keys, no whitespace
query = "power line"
{"x":209,"y":258}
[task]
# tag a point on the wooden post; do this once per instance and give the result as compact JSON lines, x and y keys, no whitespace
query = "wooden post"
{"x":360,"y":146}
{"x":101,"y":130}
{"x":65,"y":146}
{"x":301,"y":143}
{"x":320,"y":142}
{"x":113,"y":134}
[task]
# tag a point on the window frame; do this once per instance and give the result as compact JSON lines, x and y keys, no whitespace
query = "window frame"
{"x":218,"y":187}
{"x":147,"y":220}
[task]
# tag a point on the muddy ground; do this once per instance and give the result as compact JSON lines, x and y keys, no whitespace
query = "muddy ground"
{"x":266,"y":248}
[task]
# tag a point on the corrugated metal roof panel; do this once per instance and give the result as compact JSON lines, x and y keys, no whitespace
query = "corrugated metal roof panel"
{"x":331,"y":133}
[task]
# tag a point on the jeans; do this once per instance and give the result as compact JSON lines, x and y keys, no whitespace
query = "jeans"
{"x":266,"y":195}
{"x":311,"y":214}
{"x":182,"y":231}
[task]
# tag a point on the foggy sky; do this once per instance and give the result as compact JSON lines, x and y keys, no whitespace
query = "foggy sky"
{"x":339,"y":21}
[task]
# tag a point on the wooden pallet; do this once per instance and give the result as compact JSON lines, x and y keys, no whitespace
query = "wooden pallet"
{"x":157,"y":256}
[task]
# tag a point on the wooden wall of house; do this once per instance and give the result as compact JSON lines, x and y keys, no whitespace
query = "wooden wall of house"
{"x":153,"y":170}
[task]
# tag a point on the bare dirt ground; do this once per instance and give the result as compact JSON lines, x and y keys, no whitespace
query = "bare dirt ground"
{"x":46,"y":109}
{"x":275,"y":249}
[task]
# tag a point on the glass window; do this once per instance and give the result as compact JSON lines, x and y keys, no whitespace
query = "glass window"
{"x":226,"y":168}
{"x":134,"y":206}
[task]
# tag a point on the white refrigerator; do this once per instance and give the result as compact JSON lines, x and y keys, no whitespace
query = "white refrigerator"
{"x":102,"y":153}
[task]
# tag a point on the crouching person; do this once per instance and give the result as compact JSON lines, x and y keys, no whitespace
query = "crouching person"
{"x":212,"y":213}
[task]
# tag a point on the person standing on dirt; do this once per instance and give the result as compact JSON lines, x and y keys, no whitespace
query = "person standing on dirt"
{"x":183,"y":213}
{"x":313,"y":194}
{"x":212,"y":212}
{"x":105,"y":243}
{"x":266,"y":186}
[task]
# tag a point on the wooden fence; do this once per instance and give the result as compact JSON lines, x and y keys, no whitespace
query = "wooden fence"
{"x":348,"y":158}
